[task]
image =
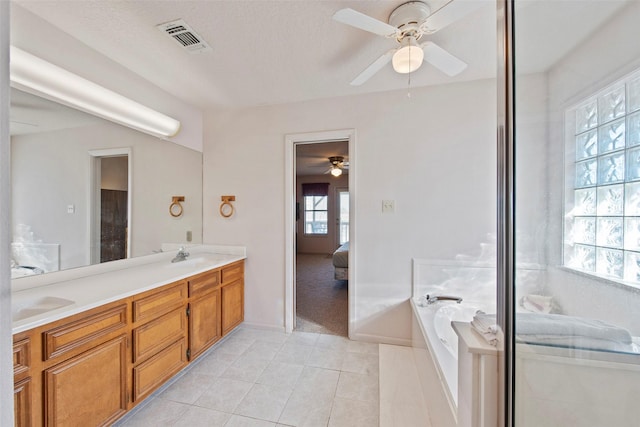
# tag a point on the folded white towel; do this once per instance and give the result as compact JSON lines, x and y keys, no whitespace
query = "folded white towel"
{"x":485,"y":325}
{"x":537,"y":303}
{"x":569,"y":326}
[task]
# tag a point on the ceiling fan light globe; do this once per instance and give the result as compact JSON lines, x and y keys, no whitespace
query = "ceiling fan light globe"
{"x":336,"y":171}
{"x":407,"y":59}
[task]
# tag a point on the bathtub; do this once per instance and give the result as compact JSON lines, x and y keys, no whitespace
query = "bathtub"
{"x":442,"y":341}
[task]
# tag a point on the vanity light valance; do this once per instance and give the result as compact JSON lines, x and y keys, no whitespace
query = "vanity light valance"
{"x":39,"y":77}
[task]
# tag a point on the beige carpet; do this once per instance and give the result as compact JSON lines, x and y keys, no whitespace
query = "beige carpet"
{"x":321,"y":301}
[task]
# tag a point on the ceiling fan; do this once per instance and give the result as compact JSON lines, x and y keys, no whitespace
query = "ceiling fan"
{"x":408,"y":23}
{"x":337,"y":165}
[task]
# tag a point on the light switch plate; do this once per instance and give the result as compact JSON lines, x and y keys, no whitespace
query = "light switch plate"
{"x":388,"y":206}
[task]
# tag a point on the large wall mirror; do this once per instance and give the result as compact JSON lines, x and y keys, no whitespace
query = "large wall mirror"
{"x":86,"y":190}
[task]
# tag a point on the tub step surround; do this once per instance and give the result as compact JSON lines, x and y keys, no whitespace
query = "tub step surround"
{"x":402,"y":401}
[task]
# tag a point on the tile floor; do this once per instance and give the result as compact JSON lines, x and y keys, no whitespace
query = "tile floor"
{"x":265,"y":378}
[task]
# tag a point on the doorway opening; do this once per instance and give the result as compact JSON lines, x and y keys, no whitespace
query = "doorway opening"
{"x":110,"y":205}
{"x":320,"y":222}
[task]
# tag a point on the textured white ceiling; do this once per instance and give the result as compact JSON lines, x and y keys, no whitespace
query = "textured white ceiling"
{"x":263,"y":52}
{"x":272,"y":52}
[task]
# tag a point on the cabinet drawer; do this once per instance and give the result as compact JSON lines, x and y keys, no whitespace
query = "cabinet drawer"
{"x":158,"y":302}
{"x":157,"y":334}
{"x":204,"y":283}
{"x":233,"y":272}
{"x":87,"y":329}
{"x":151,"y":374}
{"x":21,"y":357}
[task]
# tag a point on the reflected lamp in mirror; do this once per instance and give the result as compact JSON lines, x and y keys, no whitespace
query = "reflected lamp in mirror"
{"x":39,"y":77}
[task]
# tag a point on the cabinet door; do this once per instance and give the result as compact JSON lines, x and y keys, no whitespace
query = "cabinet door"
{"x":232,"y":305}
{"x":88,"y":389}
{"x":22,"y":403}
{"x":204,"y":323}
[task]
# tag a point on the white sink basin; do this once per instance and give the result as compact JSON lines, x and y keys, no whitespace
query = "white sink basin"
{"x":190,"y":262}
{"x":32,"y":307}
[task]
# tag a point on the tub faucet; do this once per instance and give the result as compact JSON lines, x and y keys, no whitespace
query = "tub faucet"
{"x":181,"y":255}
{"x":434,"y":298}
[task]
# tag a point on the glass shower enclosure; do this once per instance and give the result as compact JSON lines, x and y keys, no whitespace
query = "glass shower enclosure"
{"x":569,"y":185}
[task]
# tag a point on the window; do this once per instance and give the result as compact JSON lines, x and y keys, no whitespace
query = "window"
{"x":315,"y":215}
{"x":602,"y":204}
{"x":315,"y":197}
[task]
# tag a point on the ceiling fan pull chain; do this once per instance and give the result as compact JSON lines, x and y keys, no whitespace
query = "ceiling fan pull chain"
{"x":409,"y":80}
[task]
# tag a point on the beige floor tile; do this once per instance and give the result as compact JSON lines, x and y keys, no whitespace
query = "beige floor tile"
{"x":241,"y":421}
{"x":333,"y":342}
{"x":354,"y":413}
{"x":361,"y":363}
{"x":264,"y":402}
{"x":188,"y":388}
{"x":293,"y":353}
{"x":363,"y":347}
{"x":305,"y":410}
{"x":284,"y":374}
{"x":264,"y":350}
{"x":326,"y":358}
{"x":214,"y":364}
{"x":196,"y":416}
{"x":224,"y":395}
{"x":245,"y":369}
{"x":158,"y":412}
{"x":317,"y":382}
{"x":304,"y":338}
{"x":361,"y":387}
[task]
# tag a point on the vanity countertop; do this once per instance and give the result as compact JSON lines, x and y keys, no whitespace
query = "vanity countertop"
{"x":93,"y":290}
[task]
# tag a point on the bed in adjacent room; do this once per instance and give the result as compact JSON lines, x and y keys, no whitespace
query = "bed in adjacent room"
{"x":341,"y":262}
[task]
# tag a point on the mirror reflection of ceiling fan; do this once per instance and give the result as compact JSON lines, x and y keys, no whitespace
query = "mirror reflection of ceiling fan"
{"x":408,"y":24}
{"x":337,"y":165}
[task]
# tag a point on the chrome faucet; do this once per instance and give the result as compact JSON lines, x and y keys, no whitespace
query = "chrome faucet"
{"x":181,"y":255}
{"x":434,"y":298}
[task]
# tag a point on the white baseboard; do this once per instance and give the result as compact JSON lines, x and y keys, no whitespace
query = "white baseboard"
{"x":380,"y":339}
{"x":263,"y":326}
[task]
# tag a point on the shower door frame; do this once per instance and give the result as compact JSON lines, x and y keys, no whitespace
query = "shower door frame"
{"x":506,"y":209}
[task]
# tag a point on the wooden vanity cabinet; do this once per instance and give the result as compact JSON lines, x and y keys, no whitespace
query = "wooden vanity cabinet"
{"x":159,"y":337}
{"x":204,"y":312}
{"x":232,"y":296}
{"x":92,"y":367}
{"x":84,"y":368}
{"x":22,"y":384}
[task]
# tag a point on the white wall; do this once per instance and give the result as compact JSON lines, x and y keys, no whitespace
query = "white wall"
{"x":38,"y":37}
{"x":442,"y":177}
{"x":52,"y":170}
{"x":610,"y":53}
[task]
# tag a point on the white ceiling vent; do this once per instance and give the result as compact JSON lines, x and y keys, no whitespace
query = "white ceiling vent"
{"x":179,"y":31}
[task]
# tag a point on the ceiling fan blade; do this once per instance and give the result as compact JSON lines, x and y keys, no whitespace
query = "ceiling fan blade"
{"x":364,"y":22}
{"x":449,"y":13}
{"x":373,"y":68}
{"x":442,"y":60}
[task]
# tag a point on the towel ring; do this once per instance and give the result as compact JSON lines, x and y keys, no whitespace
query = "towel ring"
{"x":226,"y":208}
{"x":175,"y":208}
